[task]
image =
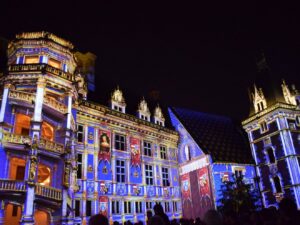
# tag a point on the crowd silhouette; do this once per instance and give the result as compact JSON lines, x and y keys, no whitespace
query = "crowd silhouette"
{"x":286,"y":214}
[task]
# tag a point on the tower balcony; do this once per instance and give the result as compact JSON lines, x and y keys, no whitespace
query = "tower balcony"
{"x":29,"y":98}
{"x":43,"y":193}
{"x":40,"y":68}
{"x":19,"y":141}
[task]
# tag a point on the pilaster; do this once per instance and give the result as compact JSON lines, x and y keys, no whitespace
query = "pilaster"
{"x":7,"y":86}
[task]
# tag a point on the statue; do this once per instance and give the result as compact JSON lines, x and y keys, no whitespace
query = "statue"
{"x":32,"y":169}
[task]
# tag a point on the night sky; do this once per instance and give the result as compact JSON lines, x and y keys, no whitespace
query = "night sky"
{"x":200,"y":57}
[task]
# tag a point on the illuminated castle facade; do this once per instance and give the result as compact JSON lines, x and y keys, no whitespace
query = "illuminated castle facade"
{"x":273,"y":128}
{"x":64,"y":158}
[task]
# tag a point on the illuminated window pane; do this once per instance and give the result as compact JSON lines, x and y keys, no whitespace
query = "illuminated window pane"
{"x":54,"y":63}
{"x":31,"y":59}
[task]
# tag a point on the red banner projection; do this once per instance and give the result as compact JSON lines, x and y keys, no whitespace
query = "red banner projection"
{"x":135,"y":150}
{"x":185,"y":186}
{"x":204,"y":188}
{"x":103,"y":206}
{"x":104,"y":153}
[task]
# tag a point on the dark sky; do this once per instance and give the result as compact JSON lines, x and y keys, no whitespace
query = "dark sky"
{"x":195,"y":56}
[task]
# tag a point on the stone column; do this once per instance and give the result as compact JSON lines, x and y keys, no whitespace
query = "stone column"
{"x":38,"y":106}
{"x":28,"y":212}
{"x":2,"y":207}
{"x":4,"y":101}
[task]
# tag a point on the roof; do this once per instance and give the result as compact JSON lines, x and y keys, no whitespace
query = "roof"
{"x":218,"y":136}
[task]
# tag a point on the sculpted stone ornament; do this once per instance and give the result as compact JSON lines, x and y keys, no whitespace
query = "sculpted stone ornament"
{"x":158,"y":113}
{"x":117,"y":96}
{"x":32,"y":170}
{"x":143,"y":107}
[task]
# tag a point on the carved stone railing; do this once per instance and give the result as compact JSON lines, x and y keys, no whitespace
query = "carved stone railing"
{"x":20,"y":95}
{"x":51,"y":146}
{"x":12,"y":185}
{"x":16,"y":139}
{"x":41,"y":67}
{"x":48,"y":192}
{"x":55,"y":104}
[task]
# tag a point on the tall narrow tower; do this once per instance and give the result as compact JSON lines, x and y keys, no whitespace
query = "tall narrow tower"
{"x":273,"y":128}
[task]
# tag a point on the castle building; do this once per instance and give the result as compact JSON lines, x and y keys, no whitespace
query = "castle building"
{"x":212,"y":149}
{"x":64,"y":158}
{"x":273,"y":128}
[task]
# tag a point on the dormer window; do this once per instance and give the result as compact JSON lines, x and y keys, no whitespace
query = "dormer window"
{"x":159,"y":118}
{"x":143,"y":111}
{"x":263,"y":127}
{"x":118,"y":101}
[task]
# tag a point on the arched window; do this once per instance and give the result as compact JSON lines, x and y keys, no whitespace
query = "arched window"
{"x":277,"y":184}
{"x":187,"y":153}
{"x":271,"y":155}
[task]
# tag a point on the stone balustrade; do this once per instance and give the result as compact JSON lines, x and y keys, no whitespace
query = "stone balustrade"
{"x":48,"y":192}
{"x":16,"y":139}
{"x":51,"y":146}
{"x":12,"y":185}
{"x":56,"y":105}
{"x":41,"y":67}
{"x":20,"y":95}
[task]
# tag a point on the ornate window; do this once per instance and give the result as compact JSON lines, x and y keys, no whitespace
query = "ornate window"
{"x":22,"y":124}
{"x":54,"y":63}
{"x":167,"y":207}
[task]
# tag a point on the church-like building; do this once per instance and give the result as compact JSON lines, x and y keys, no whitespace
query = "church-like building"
{"x":273,"y":129}
{"x":64,"y":158}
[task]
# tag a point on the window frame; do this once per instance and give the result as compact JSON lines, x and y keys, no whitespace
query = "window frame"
{"x":163,"y":152}
{"x":165,"y":176}
{"x":79,"y":165}
{"x":149,"y":174}
{"x":147,"y":148}
{"x":118,"y":143}
{"x":80,"y":132}
{"x":127,"y":207}
{"x":263,"y":126}
{"x":120,"y":176}
{"x":115,"y":207}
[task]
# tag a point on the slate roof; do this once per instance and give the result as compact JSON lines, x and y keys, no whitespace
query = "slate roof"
{"x":216,"y":135}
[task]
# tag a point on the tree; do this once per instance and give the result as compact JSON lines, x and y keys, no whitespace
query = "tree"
{"x":238,"y":196}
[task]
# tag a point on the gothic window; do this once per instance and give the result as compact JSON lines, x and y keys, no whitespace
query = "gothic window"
{"x":277,"y":184}
{"x":271,"y":155}
{"x":263,"y":127}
